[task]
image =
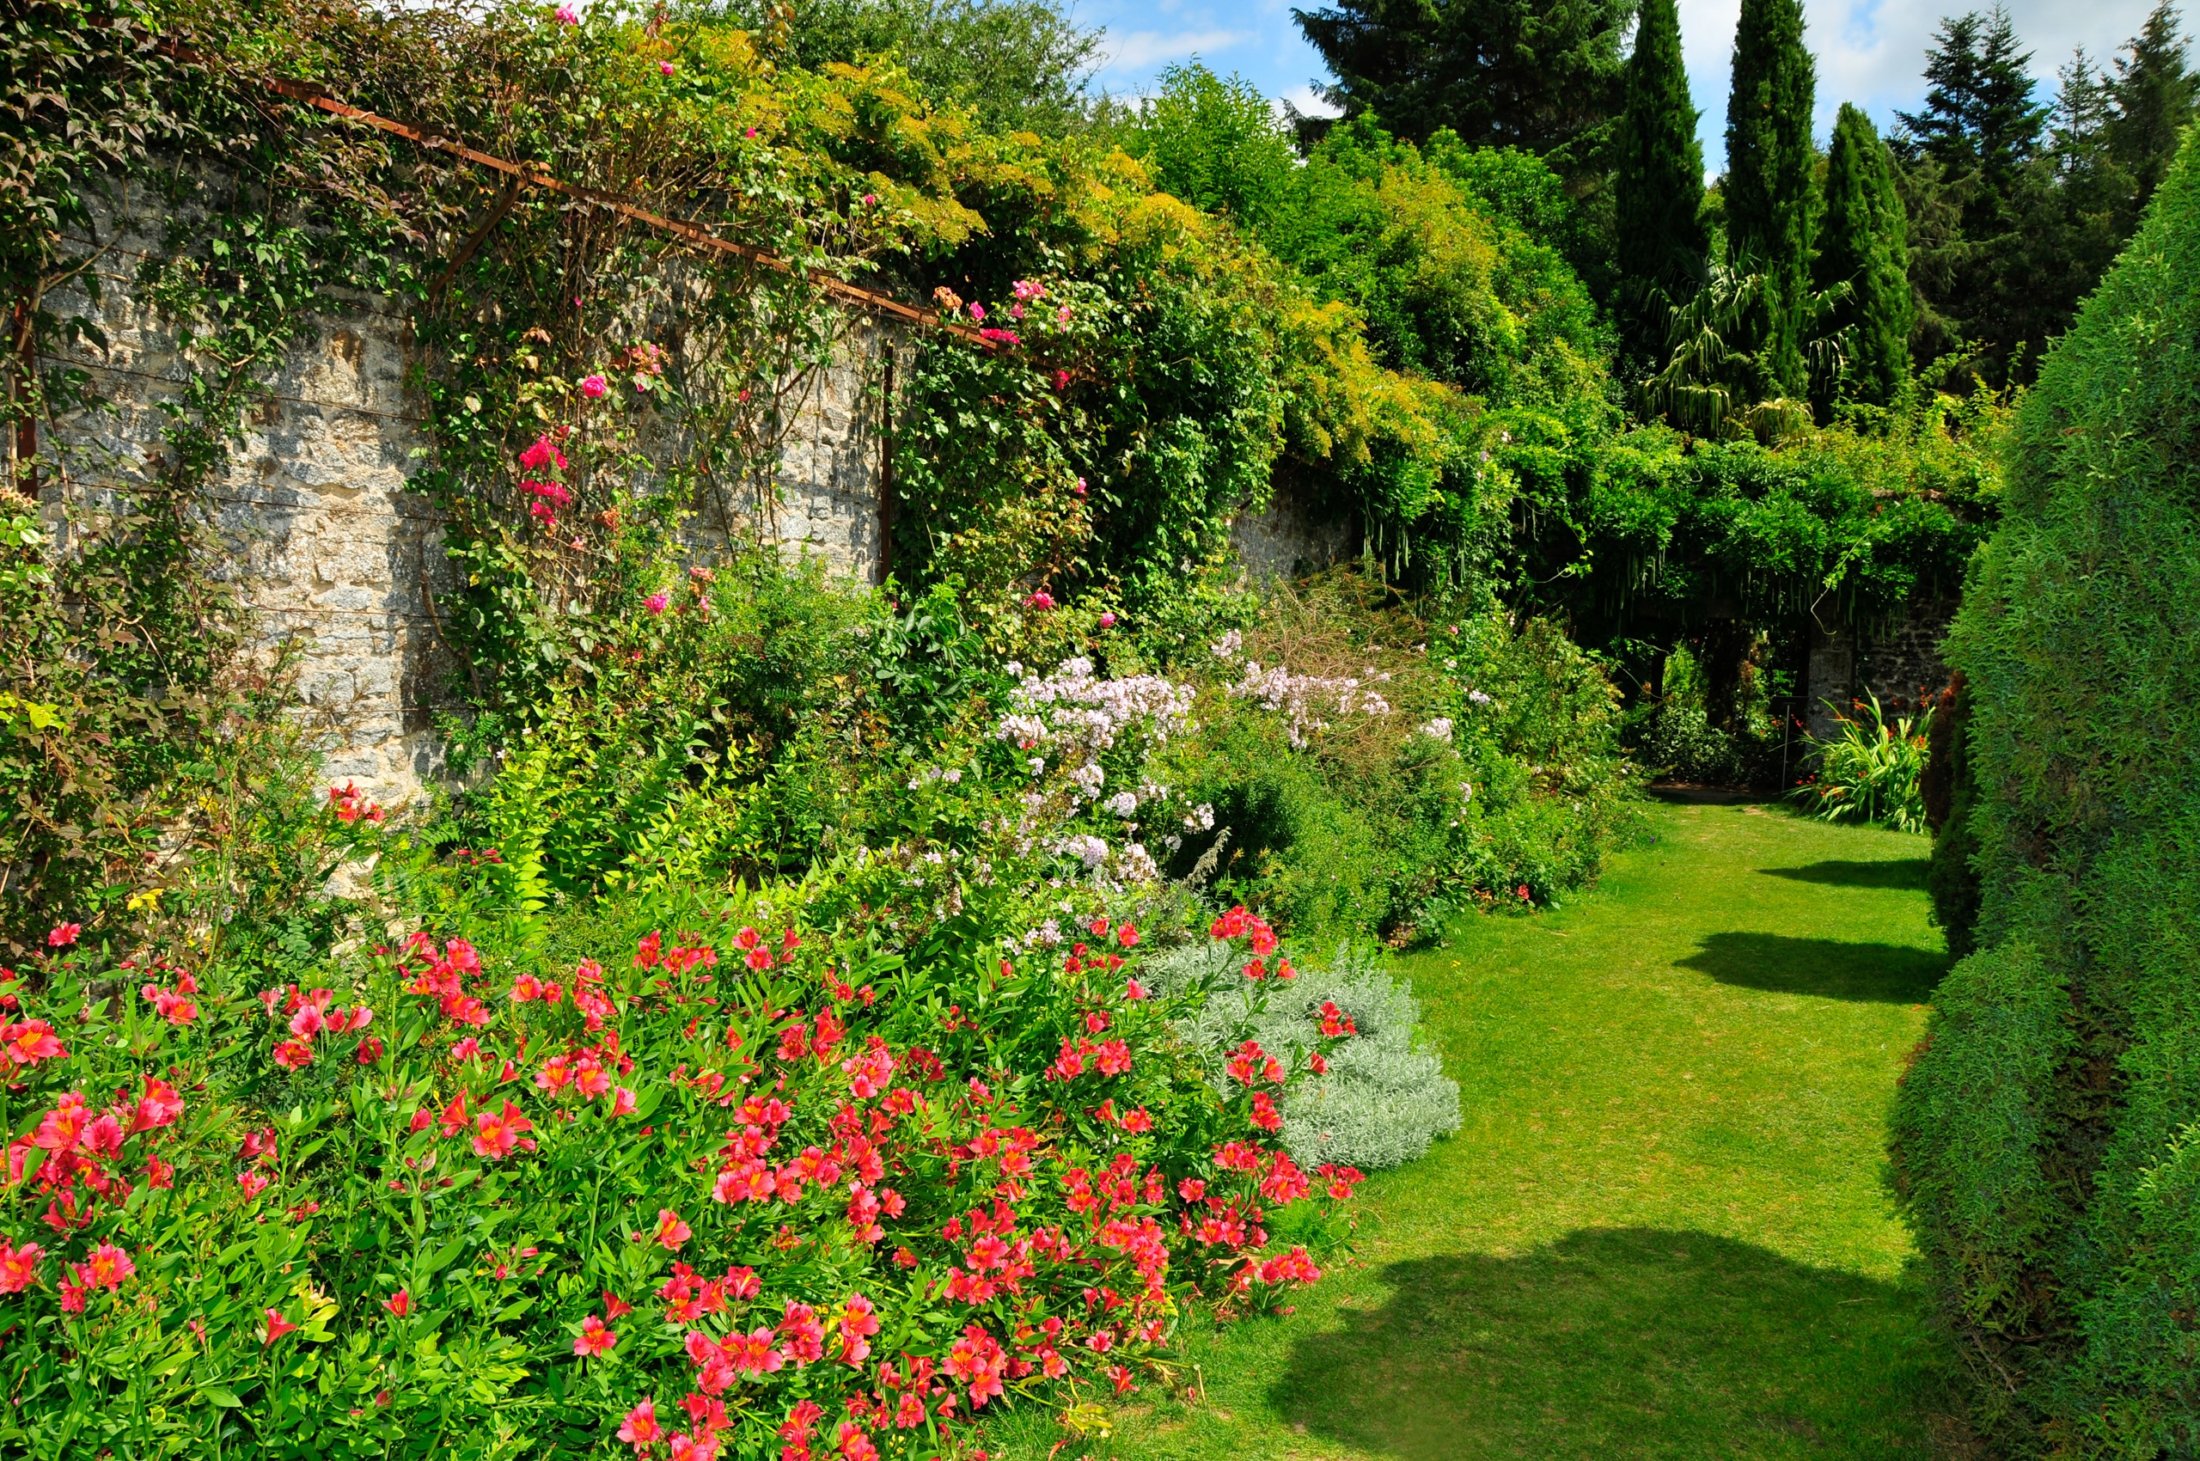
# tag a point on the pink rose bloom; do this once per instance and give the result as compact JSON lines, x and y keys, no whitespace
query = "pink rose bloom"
{"x":665,"y":68}
{"x":870,"y":200}
{"x":594,"y":387}
{"x":1040,"y":600}
{"x":1079,"y":489}
{"x":977,"y":311}
{"x":1061,"y":316}
{"x":1107,"y":621}
{"x":657,"y":603}
{"x":567,"y":15}
{"x":751,"y":132}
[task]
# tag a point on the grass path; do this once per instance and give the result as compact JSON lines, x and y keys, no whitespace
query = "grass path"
{"x":1663,"y":1229}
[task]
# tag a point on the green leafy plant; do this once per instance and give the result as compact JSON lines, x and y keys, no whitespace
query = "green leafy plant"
{"x":1871,"y":769}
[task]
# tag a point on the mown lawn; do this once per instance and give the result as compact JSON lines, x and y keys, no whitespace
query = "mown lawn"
{"x":1663,"y":1229}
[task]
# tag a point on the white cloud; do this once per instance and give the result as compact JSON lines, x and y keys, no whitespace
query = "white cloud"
{"x":1305,"y":102}
{"x":1143,"y":50}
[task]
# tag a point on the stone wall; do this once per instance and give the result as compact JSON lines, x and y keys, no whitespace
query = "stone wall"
{"x":1896,"y":661}
{"x":334,"y":554}
{"x":1292,"y":537}
{"x":330,"y":547}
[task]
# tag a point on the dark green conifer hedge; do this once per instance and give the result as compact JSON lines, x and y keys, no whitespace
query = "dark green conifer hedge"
{"x":1863,"y":244}
{"x":1770,"y":195}
{"x":1657,"y":186}
{"x":2047,"y":1141}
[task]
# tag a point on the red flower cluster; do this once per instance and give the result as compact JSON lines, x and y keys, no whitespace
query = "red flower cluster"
{"x":308,"y":1016}
{"x":173,"y":1005}
{"x":848,"y":1227}
{"x":536,"y":463}
{"x":442,"y":977}
{"x":74,"y":1149}
{"x":1260,"y":940}
{"x":350,"y":805}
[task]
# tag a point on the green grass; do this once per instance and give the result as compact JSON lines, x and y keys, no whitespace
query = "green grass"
{"x":1664,"y":1228}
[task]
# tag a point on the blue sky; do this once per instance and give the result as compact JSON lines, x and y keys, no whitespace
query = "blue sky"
{"x":1869,"y":51}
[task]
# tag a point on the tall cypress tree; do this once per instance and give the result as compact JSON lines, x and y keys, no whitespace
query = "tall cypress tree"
{"x":1863,"y":242}
{"x":1658,"y":191}
{"x":1768,"y":181}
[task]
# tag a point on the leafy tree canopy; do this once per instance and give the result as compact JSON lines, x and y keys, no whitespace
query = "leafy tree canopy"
{"x":1543,"y":75}
{"x":1017,"y":64}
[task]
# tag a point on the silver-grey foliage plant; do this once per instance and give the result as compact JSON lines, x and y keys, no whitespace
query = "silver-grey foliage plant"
{"x":1385,"y":1097}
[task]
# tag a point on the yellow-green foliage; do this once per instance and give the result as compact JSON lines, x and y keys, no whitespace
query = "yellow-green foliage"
{"x":2046,"y":1138}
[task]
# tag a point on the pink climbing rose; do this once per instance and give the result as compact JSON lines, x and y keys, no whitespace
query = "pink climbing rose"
{"x":544,"y":453}
{"x":594,"y":387}
{"x":658,"y":602}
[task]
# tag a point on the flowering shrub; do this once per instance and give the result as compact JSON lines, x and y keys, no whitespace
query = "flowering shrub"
{"x":1871,"y":769}
{"x":1362,"y":768}
{"x":1375,"y":1101}
{"x":1072,"y":728}
{"x":763,"y":1189}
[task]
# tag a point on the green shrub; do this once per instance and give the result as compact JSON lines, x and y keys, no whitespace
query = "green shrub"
{"x":2045,"y":1139}
{"x":1369,"y":770}
{"x":1680,"y":742}
{"x":1383,"y":1097}
{"x":1870,"y":769}
{"x":1950,"y":793}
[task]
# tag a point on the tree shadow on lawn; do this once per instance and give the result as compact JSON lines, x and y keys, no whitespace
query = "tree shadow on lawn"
{"x":1624,"y":1342}
{"x":1906,"y":873}
{"x":1892,"y":973}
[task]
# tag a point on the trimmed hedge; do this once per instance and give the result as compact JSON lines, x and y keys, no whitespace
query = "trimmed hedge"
{"x":2045,"y":1141}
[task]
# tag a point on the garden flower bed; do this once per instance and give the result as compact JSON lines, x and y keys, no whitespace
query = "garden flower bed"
{"x":761,"y":1189}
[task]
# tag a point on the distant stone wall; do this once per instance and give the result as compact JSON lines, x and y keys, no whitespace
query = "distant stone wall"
{"x":1896,"y":661}
{"x":333,"y":553}
{"x":330,"y":547}
{"x":1292,"y":537}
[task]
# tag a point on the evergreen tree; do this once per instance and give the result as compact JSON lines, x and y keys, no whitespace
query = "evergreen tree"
{"x":1980,"y":111}
{"x":1980,"y":134}
{"x":2086,"y":211}
{"x":2043,"y":1137}
{"x":1658,"y":187}
{"x":2152,"y":97}
{"x":1541,"y":75}
{"x":1768,"y":182}
{"x":1863,"y":243}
